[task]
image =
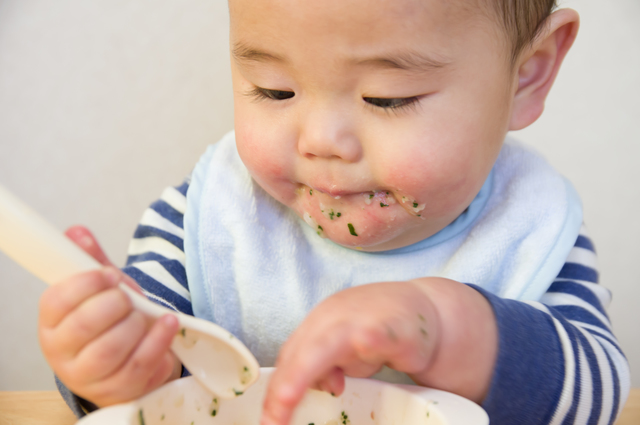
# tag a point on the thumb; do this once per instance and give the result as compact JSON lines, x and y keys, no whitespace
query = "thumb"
{"x":83,"y":237}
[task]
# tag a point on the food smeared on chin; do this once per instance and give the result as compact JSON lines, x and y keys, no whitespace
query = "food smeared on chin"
{"x":314,"y":224}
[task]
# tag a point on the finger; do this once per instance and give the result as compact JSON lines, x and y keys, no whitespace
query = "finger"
{"x":90,"y":319}
{"x":289,"y":382}
{"x":60,"y":299}
{"x":149,"y":357}
{"x":82,"y":237}
{"x":332,"y":382}
{"x":106,"y":354}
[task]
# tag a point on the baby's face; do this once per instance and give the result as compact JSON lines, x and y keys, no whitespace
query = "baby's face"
{"x":380,"y":119}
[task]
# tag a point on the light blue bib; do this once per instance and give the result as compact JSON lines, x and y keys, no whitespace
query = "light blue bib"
{"x":257,"y":269}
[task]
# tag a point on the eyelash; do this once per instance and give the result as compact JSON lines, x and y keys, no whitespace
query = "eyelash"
{"x":388,"y":104}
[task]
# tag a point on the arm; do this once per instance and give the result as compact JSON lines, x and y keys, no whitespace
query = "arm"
{"x":559,"y":361}
{"x":554,"y":361}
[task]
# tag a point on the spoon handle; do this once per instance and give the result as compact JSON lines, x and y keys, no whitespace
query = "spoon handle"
{"x":36,"y":245}
{"x":41,"y":249}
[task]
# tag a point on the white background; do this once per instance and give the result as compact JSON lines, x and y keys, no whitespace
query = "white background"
{"x":104,"y":103}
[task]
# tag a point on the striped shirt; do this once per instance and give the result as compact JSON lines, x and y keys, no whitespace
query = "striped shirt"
{"x":558,"y":360}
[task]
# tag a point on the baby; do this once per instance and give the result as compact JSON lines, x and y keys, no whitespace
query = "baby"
{"x":367,"y":216}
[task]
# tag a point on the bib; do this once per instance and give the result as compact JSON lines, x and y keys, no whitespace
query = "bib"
{"x":257,"y":269}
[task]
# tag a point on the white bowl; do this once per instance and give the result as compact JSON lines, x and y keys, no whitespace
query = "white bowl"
{"x":364,"y":402}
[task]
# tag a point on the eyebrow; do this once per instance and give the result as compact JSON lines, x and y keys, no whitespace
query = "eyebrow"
{"x":244,"y":53}
{"x":407,"y":61}
{"x":410,"y":61}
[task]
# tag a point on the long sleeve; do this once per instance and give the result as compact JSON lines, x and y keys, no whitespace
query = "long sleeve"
{"x":558,"y":360}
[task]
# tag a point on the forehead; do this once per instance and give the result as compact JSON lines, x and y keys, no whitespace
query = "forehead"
{"x":441,"y":26}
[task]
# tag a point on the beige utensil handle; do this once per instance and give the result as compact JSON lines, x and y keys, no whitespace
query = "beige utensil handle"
{"x":36,"y":245}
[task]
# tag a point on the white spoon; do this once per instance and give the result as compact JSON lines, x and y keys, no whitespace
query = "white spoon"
{"x":218,"y":360}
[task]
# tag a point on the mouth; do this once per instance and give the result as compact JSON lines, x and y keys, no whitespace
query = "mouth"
{"x":327,"y":198}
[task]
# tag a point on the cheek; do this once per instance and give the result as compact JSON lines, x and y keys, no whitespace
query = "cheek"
{"x":443,"y":180}
{"x":259,"y":154}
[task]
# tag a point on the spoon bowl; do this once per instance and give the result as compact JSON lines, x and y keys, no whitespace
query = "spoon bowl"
{"x":218,"y":360}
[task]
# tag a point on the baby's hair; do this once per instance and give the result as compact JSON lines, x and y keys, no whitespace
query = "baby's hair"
{"x":522,"y":21}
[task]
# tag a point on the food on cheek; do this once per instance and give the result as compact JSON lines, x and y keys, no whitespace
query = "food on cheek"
{"x":352,"y":229}
{"x":413,"y":205}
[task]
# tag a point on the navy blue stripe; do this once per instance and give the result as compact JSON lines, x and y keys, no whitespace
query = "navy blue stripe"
{"x":183,"y":188}
{"x":585,"y":242}
{"x":571,"y":413}
{"x":174,"y":268}
{"x":144,"y":231}
{"x":616,"y":389}
{"x":147,"y":256}
{"x":580,"y":291}
{"x":158,"y":289}
{"x":596,"y":381}
{"x":606,"y":338}
{"x":580,"y":314}
{"x":168,"y":212}
{"x":578,"y":272}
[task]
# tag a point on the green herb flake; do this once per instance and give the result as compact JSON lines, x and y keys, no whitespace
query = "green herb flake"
{"x":382,"y":205}
{"x":140,"y":417}
{"x":338,"y":214}
{"x":344,"y":418}
{"x":183,"y":332}
{"x":333,"y":394}
{"x":371,"y":196}
{"x":311,"y":192}
{"x":214,"y":412}
{"x":331,"y":214}
{"x":421,"y":317}
{"x":415,"y":205}
{"x":320,"y":228}
{"x":237,"y":393}
{"x":352,"y":230}
{"x":311,"y":423}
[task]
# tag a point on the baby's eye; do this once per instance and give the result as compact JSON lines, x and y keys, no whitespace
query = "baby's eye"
{"x":260,"y":93}
{"x":388,"y":103}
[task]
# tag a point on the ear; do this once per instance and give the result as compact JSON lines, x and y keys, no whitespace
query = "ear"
{"x":539,"y":65}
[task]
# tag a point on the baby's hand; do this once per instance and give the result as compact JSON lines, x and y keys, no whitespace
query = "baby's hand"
{"x":96,"y":343}
{"x":354,"y":332}
{"x":441,"y":332}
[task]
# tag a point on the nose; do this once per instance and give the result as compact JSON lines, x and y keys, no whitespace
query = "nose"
{"x":328,"y":132}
